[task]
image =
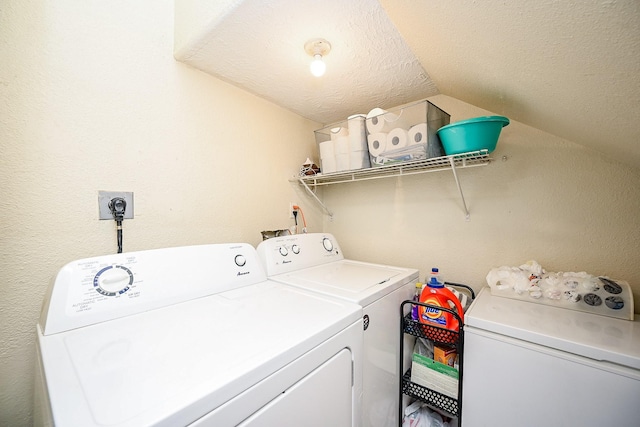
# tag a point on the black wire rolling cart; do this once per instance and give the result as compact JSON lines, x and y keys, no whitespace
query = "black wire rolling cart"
{"x":434,"y":399}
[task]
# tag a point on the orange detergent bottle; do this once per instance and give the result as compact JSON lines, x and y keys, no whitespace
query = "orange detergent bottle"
{"x":437,"y":295}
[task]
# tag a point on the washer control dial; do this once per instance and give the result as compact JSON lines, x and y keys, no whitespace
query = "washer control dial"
{"x":295,"y":249}
{"x":113,"y":280}
{"x":283,"y":251}
{"x":328,"y":244}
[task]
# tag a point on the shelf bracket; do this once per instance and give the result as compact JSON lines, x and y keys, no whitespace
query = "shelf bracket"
{"x":467,"y":216}
{"x":317,"y":199}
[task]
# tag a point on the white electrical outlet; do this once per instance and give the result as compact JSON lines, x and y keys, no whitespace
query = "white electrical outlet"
{"x":291,"y":205}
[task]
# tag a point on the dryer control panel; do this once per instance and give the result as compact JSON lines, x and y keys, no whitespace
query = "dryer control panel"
{"x":291,"y":253}
{"x":94,"y":290}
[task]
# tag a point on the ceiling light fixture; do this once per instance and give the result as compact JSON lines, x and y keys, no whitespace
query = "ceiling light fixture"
{"x":317,"y":48}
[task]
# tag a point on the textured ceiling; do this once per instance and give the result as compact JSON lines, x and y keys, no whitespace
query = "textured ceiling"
{"x":570,"y":68}
{"x":259,"y":45}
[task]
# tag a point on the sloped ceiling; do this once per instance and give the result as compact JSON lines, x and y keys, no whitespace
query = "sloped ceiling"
{"x":259,"y":45}
{"x":570,"y":68}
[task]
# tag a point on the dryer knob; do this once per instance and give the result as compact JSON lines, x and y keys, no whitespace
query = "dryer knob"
{"x":328,"y":245}
{"x":240,"y":260}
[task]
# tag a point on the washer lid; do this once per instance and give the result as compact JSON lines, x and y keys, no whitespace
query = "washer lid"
{"x":172,"y":365}
{"x":590,"y":335}
{"x":355,"y":281}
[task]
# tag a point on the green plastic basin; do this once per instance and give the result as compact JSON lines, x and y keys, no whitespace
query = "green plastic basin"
{"x":479,"y":133}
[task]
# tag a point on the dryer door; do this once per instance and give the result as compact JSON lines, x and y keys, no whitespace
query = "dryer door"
{"x":322,"y":398}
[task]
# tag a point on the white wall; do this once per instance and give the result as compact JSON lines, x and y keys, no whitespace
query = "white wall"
{"x":548,"y":200}
{"x":92,"y":99}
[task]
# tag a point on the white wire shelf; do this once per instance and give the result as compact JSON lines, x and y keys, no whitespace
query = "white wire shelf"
{"x":464,"y":160}
{"x":453,"y":162}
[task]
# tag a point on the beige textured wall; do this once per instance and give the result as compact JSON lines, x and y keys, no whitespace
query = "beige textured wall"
{"x":92,"y":99}
{"x":550,"y":200}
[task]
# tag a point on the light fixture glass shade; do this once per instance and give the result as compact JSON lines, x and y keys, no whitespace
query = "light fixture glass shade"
{"x":317,"y":67}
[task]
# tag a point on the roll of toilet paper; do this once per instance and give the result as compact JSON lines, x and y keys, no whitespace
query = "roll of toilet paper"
{"x":338,"y":132}
{"x":342,"y":162}
{"x":376,"y":122}
{"x":359,"y":160}
{"x":328,"y":165}
{"x":326,"y":150}
{"x":397,"y":138}
{"x":357,"y":132}
{"x":341,"y":145}
{"x":418,"y":134}
{"x":377,"y":143}
{"x":379,"y":120}
{"x":327,"y":157}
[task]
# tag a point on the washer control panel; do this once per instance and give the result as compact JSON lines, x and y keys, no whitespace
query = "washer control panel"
{"x":291,"y":253}
{"x":94,"y":290}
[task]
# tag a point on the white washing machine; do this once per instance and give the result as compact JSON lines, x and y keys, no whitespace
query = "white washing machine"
{"x":193,"y":336}
{"x":530,"y":364}
{"x":315,"y":262}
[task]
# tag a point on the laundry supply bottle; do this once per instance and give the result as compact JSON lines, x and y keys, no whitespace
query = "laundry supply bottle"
{"x":437,"y":295}
{"x":416,"y":297}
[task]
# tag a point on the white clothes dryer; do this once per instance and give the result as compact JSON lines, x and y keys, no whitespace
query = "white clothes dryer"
{"x":193,"y":336}
{"x":315,"y":262}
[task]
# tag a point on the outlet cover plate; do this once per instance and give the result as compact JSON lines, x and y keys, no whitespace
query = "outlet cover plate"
{"x":104,"y":197}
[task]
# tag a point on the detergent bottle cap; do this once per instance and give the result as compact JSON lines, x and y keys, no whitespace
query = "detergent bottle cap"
{"x":435,"y":272}
{"x":433,"y":283}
